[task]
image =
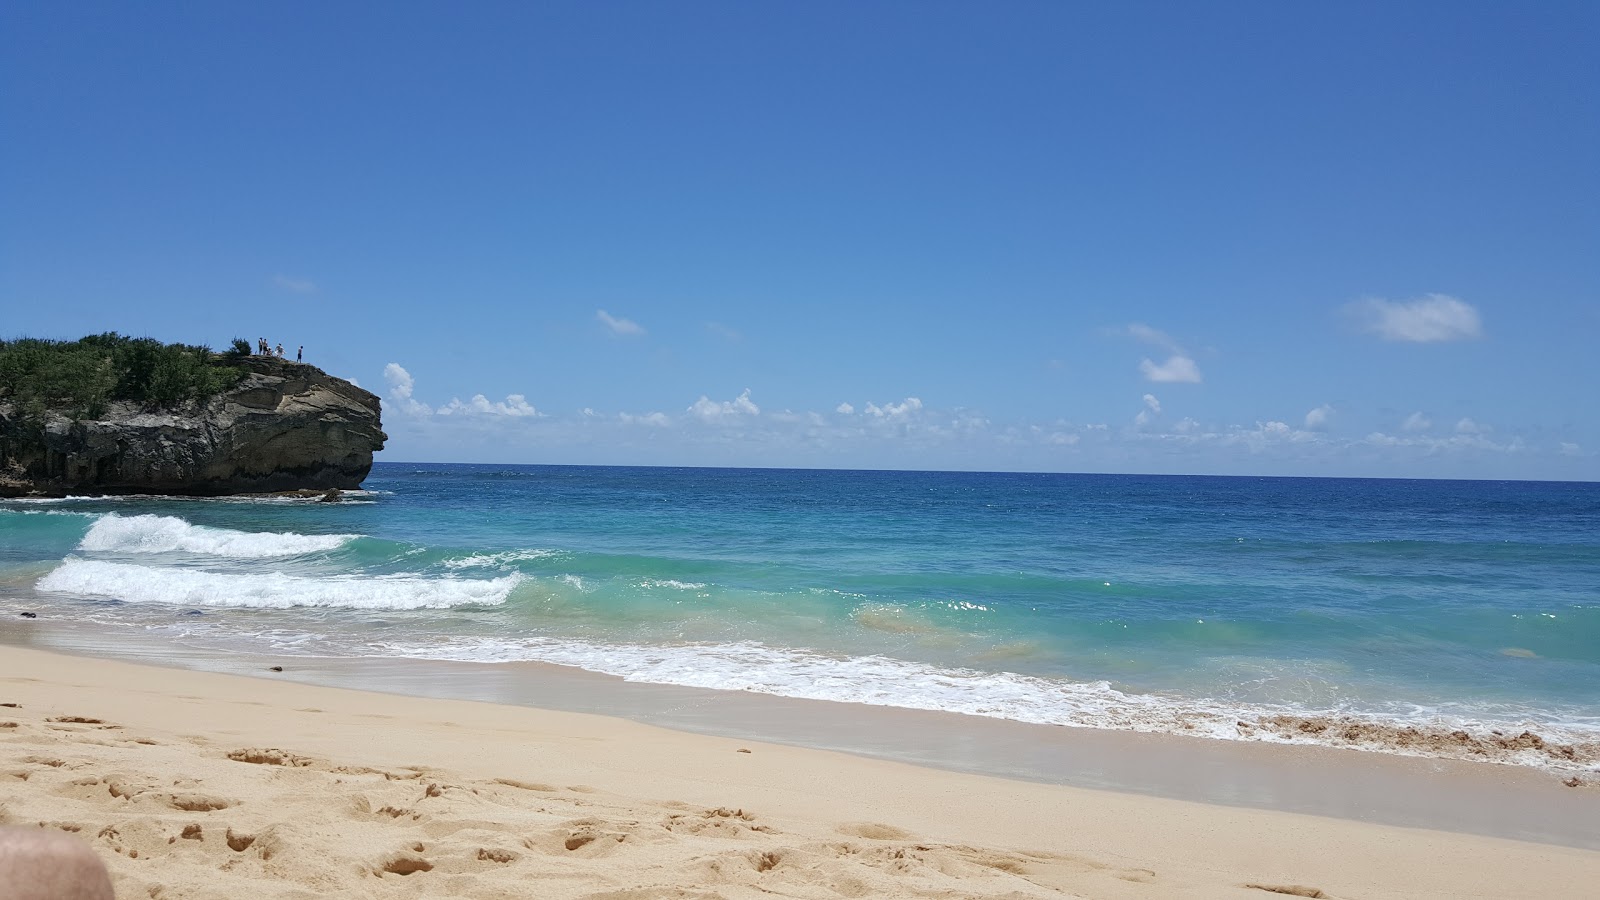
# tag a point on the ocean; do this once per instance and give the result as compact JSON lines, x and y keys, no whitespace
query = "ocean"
{"x":1448,"y":618}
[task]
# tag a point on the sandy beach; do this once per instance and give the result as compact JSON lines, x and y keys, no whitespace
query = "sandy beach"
{"x":200,"y":785}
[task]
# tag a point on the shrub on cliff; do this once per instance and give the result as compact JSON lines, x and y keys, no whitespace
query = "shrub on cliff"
{"x":80,"y":377}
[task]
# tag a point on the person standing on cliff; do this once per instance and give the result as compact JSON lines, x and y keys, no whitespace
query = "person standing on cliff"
{"x":280,"y":351}
{"x":300,"y":354}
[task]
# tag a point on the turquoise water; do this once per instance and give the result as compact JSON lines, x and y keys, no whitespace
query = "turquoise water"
{"x":1139,"y":602}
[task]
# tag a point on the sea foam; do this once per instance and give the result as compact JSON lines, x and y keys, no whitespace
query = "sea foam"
{"x":884,"y":681}
{"x":275,"y":590}
{"x":113,"y":533}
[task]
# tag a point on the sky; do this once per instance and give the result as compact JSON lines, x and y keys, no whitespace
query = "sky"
{"x":1254,"y":238}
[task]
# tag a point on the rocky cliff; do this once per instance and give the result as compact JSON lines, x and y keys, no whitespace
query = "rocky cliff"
{"x":284,"y":427}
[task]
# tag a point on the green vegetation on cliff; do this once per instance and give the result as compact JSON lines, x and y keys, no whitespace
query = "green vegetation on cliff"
{"x":78,"y":378}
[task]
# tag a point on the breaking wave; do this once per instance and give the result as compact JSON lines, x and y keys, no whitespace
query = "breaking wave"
{"x":274,"y":590}
{"x":114,"y":533}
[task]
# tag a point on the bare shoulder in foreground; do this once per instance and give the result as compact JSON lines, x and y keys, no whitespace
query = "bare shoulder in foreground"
{"x":47,"y":865}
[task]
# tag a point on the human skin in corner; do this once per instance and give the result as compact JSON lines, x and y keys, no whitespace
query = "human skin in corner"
{"x":47,"y":865}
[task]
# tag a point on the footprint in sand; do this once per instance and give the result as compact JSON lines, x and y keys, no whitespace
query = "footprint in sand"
{"x":719,"y":822}
{"x":590,"y":837}
{"x":404,"y":863}
{"x":497,"y":855}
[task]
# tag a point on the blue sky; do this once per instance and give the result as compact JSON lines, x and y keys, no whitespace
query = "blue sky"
{"x":1241,"y":238}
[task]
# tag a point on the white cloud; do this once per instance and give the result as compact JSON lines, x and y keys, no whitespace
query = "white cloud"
{"x":655,"y":419}
{"x":401,"y":385}
{"x":1178,"y":369}
{"x":479,"y":405}
{"x":1467,"y":426}
{"x":707,"y":410}
{"x":1455,"y":442}
{"x":1428,"y":319}
{"x":1149,"y":335}
{"x":1317,"y":419}
{"x":295,"y":285}
{"x":1152,"y":408}
{"x":619,"y":326}
{"x":1570,"y":449}
{"x":1416,"y":422}
{"x":845,"y":409}
{"x":906,"y":407}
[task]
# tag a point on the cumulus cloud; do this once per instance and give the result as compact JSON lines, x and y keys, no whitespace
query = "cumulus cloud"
{"x":1416,"y":422}
{"x":1179,"y":368}
{"x":1467,"y":426}
{"x":906,"y":407}
{"x":655,"y":419}
{"x":479,"y":405}
{"x":1431,"y":318}
{"x":845,"y":409}
{"x":619,"y":326}
{"x":1176,"y":370}
{"x":1317,"y":419}
{"x":707,"y":410}
{"x":295,"y":285}
{"x":401,"y":384}
{"x":1152,"y":408}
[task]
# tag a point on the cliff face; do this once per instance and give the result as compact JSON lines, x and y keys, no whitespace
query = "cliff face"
{"x":285,"y":426}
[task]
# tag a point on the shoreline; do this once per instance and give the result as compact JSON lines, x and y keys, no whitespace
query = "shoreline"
{"x":1468,"y":797}
{"x":208,"y":785}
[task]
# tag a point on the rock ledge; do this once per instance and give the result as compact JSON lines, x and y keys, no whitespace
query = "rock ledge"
{"x":285,"y":427}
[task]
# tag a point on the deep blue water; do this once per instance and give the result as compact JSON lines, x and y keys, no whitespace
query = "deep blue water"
{"x":1147,"y":602}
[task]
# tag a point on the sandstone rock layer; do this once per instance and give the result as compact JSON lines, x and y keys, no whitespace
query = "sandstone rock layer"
{"x":284,"y":427}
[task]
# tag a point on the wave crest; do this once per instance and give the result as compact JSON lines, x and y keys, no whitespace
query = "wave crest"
{"x":167,"y":534}
{"x":275,"y":590}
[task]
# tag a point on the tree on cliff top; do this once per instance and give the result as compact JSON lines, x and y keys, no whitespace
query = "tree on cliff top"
{"x":78,"y":378}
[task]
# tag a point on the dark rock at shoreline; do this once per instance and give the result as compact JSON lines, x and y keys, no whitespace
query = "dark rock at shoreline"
{"x":286,"y":427}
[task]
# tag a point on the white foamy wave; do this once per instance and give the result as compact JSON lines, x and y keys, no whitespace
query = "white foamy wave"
{"x":674,"y":584}
{"x":495,"y":560}
{"x":167,"y":534}
{"x":193,"y":587}
{"x":882,"y":681}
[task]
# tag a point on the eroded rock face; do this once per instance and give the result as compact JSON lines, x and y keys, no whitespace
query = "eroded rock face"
{"x":286,"y":426}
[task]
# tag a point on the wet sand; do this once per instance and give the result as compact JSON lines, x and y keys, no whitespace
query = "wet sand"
{"x":195,"y":784}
